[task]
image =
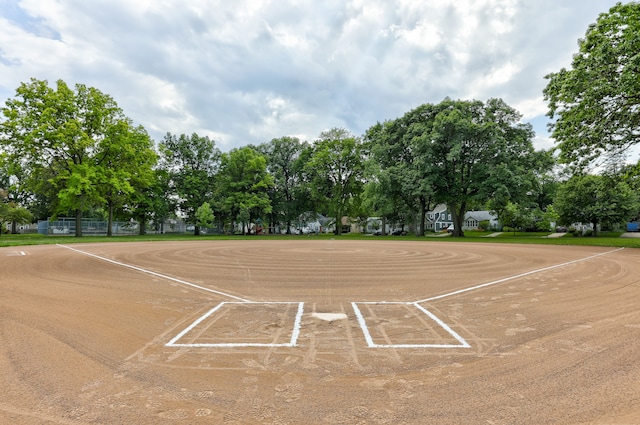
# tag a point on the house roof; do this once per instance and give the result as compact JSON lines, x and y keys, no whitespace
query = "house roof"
{"x":479,"y":215}
{"x":438,"y":208}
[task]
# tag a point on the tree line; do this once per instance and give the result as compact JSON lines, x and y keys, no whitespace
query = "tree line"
{"x":72,"y":151}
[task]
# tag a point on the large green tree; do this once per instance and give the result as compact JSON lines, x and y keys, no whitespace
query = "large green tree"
{"x":284,"y":163}
{"x":594,"y":105}
{"x":154,"y":202}
{"x":403,"y":176}
{"x":126,"y":167}
{"x":336,"y":173}
{"x":475,"y":152}
{"x":63,"y":140}
{"x":191,"y":164}
{"x":244,"y":184}
{"x":595,"y":199}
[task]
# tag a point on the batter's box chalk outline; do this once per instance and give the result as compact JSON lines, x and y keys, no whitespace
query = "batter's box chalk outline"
{"x":295,"y":332}
{"x":367,"y":335}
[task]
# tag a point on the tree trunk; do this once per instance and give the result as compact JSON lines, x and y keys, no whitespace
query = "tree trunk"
{"x":110,"y":221}
{"x":14,"y":227}
{"x":78,"y":223}
{"x":143,"y":227}
{"x":594,"y":223}
{"x":457,"y":214}
{"x":423,"y":216}
{"x":383,"y":232}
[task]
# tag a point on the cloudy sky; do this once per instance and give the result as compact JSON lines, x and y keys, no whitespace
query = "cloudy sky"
{"x":248,"y":71}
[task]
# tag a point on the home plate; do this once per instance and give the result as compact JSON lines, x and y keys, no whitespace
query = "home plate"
{"x":329,"y":317}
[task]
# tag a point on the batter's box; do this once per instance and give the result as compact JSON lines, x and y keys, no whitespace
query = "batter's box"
{"x":404,"y":325}
{"x":244,"y":324}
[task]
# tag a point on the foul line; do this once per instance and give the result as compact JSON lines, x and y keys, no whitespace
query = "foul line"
{"x":515,"y":277}
{"x":140,"y":269}
{"x":359,"y":316}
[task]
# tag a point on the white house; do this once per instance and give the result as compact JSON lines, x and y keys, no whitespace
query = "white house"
{"x":472,"y":220}
{"x":440,"y":219}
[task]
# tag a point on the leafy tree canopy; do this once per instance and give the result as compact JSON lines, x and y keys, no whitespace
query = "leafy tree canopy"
{"x":204,"y":215}
{"x":190,"y":163}
{"x":244,"y":184}
{"x":71,"y":137}
{"x":284,"y":163}
{"x":404,"y":182}
{"x":595,"y":103}
{"x":595,"y":199}
{"x":478,"y":151}
{"x":336,"y":170}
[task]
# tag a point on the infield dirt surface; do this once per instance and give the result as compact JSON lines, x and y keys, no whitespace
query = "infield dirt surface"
{"x":319,"y":332}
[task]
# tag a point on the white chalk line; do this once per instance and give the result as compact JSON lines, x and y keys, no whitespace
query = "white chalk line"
{"x":194,"y":324}
{"x":446,"y":327}
{"x":173,"y":343}
{"x":360,"y":318}
{"x":152,"y":273}
{"x":495,"y":282}
{"x":295,"y":333}
{"x":370,"y":343}
{"x":16,"y":254}
{"x":463,"y":343}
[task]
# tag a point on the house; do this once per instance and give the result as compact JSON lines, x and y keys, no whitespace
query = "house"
{"x":374,"y":226}
{"x":309,"y":222}
{"x":440,"y":219}
{"x":472,"y":220}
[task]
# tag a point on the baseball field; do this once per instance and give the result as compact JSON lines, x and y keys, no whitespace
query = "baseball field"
{"x":319,"y":332}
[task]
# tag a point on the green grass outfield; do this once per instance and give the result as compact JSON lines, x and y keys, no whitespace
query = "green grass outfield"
{"x":604,"y":239}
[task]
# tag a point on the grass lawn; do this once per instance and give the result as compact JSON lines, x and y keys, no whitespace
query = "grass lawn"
{"x":612,"y":239}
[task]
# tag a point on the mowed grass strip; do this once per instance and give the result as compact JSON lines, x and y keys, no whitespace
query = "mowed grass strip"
{"x":610,"y":239}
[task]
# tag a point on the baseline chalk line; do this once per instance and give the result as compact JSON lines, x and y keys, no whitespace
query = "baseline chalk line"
{"x":484,"y":285}
{"x":152,"y":273}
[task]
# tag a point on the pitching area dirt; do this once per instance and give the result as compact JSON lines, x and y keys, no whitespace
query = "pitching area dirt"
{"x":319,"y":332}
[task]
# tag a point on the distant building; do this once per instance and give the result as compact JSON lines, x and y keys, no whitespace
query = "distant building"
{"x":440,"y":219}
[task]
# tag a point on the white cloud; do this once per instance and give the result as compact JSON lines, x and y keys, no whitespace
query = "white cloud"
{"x":249,"y":70}
{"x":545,"y":143}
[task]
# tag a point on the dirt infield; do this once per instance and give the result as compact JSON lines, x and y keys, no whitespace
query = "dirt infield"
{"x":319,"y":332}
